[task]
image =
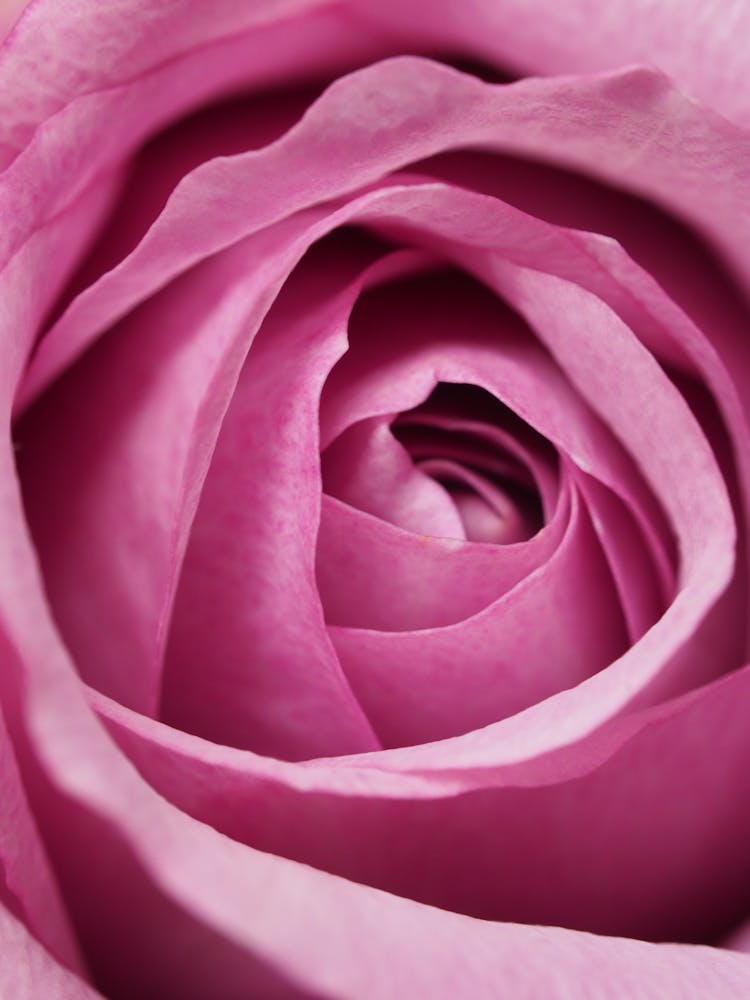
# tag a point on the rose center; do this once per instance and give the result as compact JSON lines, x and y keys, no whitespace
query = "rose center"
{"x":455,"y":466}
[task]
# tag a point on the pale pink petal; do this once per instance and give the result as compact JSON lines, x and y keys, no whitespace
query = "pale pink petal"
{"x":369,"y":469}
{"x":249,"y":661}
{"x":199,"y":912}
{"x":407,"y":109}
{"x":642,"y":595}
{"x":126,"y":484}
{"x":488,"y":514}
{"x":28,"y":972}
{"x":695,"y":43}
{"x":149,"y":856}
{"x":224,"y":129}
{"x":408,"y":201}
{"x":626,"y":386}
{"x":679,"y":301}
{"x":540,"y":637}
{"x":10,"y":11}
{"x":739,"y":939}
{"x":651,"y":807}
{"x":144,"y":66}
{"x":36,"y":275}
{"x":447,"y":328}
{"x":373,"y":575}
{"x":27,"y":882}
{"x":490,"y":445}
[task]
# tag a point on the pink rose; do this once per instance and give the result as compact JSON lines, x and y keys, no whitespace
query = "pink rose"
{"x":373,"y":512}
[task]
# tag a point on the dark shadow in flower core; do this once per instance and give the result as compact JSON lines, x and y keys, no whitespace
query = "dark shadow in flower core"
{"x":469,"y":411}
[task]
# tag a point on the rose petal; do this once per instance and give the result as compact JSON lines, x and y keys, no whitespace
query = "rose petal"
{"x":696,"y":45}
{"x":540,"y":637}
{"x":113,"y":541}
{"x":739,"y":939}
{"x":145,"y":66}
{"x":408,"y":109}
{"x":487,"y":512}
{"x":437,"y":581}
{"x":489,"y":445}
{"x":26,"y":878}
{"x":220,"y":882}
{"x":249,"y":658}
{"x":448,"y":328}
{"x":642,"y":597}
{"x":369,"y":469}
{"x":649,"y":416}
{"x":651,"y":807}
{"x":519,"y":731}
{"x":27,"y":971}
{"x":670,"y":291}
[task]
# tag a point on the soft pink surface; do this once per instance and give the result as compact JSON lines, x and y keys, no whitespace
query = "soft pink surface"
{"x":195,"y":703}
{"x":695,"y":43}
{"x":27,"y":971}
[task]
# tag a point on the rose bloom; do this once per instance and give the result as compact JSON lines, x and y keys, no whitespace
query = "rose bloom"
{"x":374,"y":499}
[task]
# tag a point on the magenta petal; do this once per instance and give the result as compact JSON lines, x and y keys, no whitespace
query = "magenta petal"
{"x":408,"y":109}
{"x":641,"y":592}
{"x":144,"y":67}
{"x":250,"y":662}
{"x":649,"y":805}
{"x":492,"y":446}
{"x":126,"y":484}
{"x":448,"y":329}
{"x":542,"y":636}
{"x":620,"y":682}
{"x":487,"y":513}
{"x":363,"y":876}
{"x":739,"y":939}
{"x":374,"y":575}
{"x":10,"y":11}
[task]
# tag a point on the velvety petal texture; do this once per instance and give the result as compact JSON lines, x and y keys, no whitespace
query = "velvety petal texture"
{"x":374,"y":497}
{"x":28,"y":971}
{"x":695,"y":44}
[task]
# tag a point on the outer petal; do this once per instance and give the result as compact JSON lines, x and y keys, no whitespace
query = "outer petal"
{"x":356,"y":942}
{"x":69,"y":69}
{"x":287,"y":929}
{"x":630,"y":128}
{"x":128,"y":481}
{"x":649,"y":807}
{"x":700,"y":44}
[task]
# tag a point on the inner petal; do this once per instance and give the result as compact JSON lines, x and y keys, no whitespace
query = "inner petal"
{"x":487,"y":514}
